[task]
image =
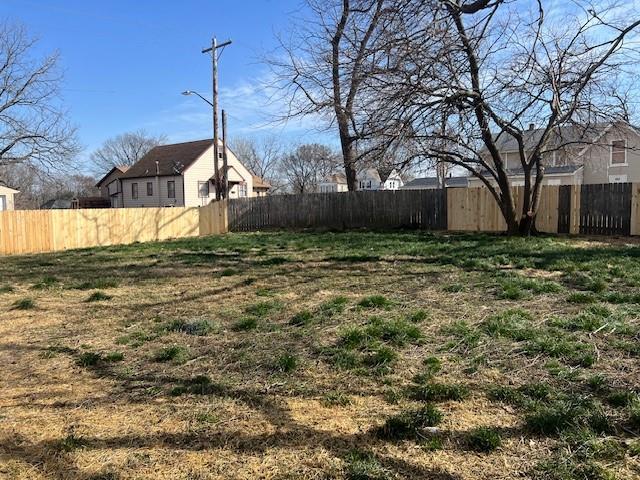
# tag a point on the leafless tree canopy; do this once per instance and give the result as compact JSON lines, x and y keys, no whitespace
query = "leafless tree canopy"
{"x":124,"y":150}
{"x":306,"y":166}
{"x":33,"y":124}
{"x":449,"y":79}
{"x":325,"y":68}
{"x":263,"y":157}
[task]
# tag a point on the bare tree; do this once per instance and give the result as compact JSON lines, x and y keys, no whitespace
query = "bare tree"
{"x":124,"y":150}
{"x":307,"y":165}
{"x":465,"y":76}
{"x":261,"y":156}
{"x":326,"y":66}
{"x":33,"y":125}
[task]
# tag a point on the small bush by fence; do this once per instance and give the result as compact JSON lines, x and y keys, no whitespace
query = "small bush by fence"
{"x":39,"y":231}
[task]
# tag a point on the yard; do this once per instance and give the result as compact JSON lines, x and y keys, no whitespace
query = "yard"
{"x":316,"y":356}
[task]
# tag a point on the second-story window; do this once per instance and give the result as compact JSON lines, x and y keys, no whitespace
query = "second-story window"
{"x":171,"y":189}
{"x":134,"y":191}
{"x":618,"y":152}
{"x":149,"y":189}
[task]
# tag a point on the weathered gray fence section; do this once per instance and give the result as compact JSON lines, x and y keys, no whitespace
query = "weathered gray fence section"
{"x":606,"y":209}
{"x":424,"y":209}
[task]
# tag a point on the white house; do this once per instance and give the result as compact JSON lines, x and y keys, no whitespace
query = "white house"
{"x":182,"y":175}
{"x":7,"y":194}
{"x":367,"y":179}
{"x":336,"y":182}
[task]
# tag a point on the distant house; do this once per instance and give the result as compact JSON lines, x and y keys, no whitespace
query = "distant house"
{"x":431,"y":183}
{"x":367,"y":179}
{"x":7,"y":197}
{"x":336,"y":182}
{"x":110,"y":186}
{"x":379,"y":179}
{"x":182,"y":175}
{"x":604,"y":153}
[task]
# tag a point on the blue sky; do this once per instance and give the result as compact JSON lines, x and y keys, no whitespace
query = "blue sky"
{"x":126,"y":62}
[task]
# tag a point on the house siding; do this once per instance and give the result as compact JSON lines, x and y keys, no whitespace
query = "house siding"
{"x":8,"y":194}
{"x":203,"y":169}
{"x":160,"y":197}
{"x":597,"y":159}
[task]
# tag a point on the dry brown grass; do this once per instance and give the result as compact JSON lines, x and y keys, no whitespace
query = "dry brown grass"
{"x":123,"y":419}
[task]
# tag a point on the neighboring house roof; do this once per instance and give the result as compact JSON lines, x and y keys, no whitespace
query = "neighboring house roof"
{"x":370,"y":173}
{"x":260,"y":183}
{"x":432,"y":182}
{"x":3,"y":184}
{"x":119,"y":168}
{"x":56,"y":204}
{"x":339,"y":178}
{"x":168,"y":160}
{"x":384,"y":173}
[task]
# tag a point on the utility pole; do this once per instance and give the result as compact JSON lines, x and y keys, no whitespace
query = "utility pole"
{"x":214,"y":63}
{"x":225,"y":176}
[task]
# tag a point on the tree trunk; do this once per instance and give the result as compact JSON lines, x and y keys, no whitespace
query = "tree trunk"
{"x":348,"y":154}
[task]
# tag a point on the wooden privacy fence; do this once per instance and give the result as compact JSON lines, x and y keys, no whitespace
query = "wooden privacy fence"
{"x":35,"y":231}
{"x":424,"y":209}
{"x":609,"y":209}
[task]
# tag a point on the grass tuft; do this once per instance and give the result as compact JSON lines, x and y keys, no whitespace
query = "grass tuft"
{"x":410,"y":424}
{"x":287,"y":363}
{"x":174,"y":353}
{"x":375,"y":301}
{"x":365,"y":466}
{"x":483,"y":439}
{"x":98,"y":297}
{"x":24,"y":304}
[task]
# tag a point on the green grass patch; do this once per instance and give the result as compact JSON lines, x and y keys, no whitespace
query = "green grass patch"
{"x":336,"y":399}
{"x":361,"y":465}
{"x":555,"y":417}
{"x":198,"y":327}
{"x":98,"y":297}
{"x":174,"y":353}
{"x":514,"y":324}
{"x":582,"y":298}
{"x":245,"y":323}
{"x":89,"y":359}
{"x":263,"y":309}
{"x":301,"y":318}
{"x":333,"y":307}
{"x":375,"y":301}
{"x":483,"y":439}
{"x":410,"y":424}
{"x":287,"y":363}
{"x":6,"y":289}
{"x":45,"y":283}
{"x":438,"y":392}
{"x":96,"y":284}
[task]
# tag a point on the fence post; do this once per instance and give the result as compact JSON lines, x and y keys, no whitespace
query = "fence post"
{"x":574,"y":225}
{"x":635,"y":209}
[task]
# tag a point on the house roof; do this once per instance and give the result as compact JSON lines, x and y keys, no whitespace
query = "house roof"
{"x":340,"y":178}
{"x":384,"y":173}
{"x":56,"y":204}
{"x":260,"y":183}
{"x":117,"y":168}
{"x":171,"y":159}
{"x":3,"y":184}
{"x":371,"y":173}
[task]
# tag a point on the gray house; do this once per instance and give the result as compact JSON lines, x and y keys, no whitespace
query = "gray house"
{"x":431,"y":183}
{"x":603,"y":153}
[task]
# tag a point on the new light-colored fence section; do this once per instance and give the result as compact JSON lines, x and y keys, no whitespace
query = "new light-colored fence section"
{"x":424,"y":209}
{"x":475,"y":209}
{"x":55,"y":230}
{"x":213,"y":219}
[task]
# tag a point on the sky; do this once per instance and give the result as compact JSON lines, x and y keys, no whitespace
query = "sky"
{"x":125,"y":64}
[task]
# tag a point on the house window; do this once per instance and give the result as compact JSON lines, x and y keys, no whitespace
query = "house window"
{"x":619,"y":152}
{"x":134,"y":191}
{"x":242,"y":189}
{"x":149,"y":189}
{"x":3,"y":202}
{"x":203,"y":189}
{"x":171,"y":189}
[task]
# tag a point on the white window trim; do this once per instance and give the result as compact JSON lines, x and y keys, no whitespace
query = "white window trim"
{"x":208,"y":189}
{"x":626,"y":162}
